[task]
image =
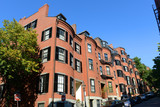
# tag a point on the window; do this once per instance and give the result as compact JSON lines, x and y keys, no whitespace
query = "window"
{"x":101,"y":71}
{"x":78,"y":65}
{"x":61,"y":55}
{"x":134,"y":82}
{"x":90,"y":64}
{"x":40,"y":104}
{"x":99,"y":56}
{"x":134,"y":66}
{"x":110,"y":87}
{"x":46,"y":34}
{"x":77,"y":48}
{"x":130,"y":90}
{"x":124,"y":60}
{"x":71,"y":41}
{"x":61,"y":83}
{"x":131,"y":70}
{"x":114,"y":74}
{"x":122,"y":52}
{"x":89,"y":48}
{"x":45,"y":54}
{"x":1,"y":90}
{"x":128,"y":80}
{"x":106,"y":56}
{"x":138,"y":81}
{"x":31,"y":25}
{"x":71,"y":86}
{"x":122,"y":87}
{"x":92,"y":85}
{"x":125,"y":68}
{"x":119,"y":73}
{"x":62,"y":34}
{"x":118,"y":62}
{"x":136,"y":91}
{"x":71,"y":60}
{"x":108,"y":70}
{"x":136,"y":72}
{"x":129,"y":63}
{"x":44,"y":81}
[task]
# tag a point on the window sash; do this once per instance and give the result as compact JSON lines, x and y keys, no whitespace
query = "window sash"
{"x":89,"y":48}
{"x":60,"y":83}
{"x":44,"y":55}
{"x":99,"y":56}
{"x":108,"y":70}
{"x":91,"y":64}
{"x":110,"y":86}
{"x":78,"y":66}
{"x":61,"y":34}
{"x":61,"y":54}
{"x":77,"y":48}
{"x":92,"y":85}
{"x":106,"y":57}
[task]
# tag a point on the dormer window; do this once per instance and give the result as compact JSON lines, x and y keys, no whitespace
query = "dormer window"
{"x":61,"y":17}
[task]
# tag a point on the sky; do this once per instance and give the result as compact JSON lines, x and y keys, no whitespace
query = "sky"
{"x":130,"y":24}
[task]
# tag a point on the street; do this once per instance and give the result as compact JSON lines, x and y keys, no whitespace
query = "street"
{"x":153,"y":102}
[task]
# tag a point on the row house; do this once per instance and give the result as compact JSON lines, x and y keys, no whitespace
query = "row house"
{"x":86,"y":71}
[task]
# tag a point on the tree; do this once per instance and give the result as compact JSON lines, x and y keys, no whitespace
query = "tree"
{"x":20,"y":65}
{"x":145,"y":74}
{"x":156,"y":72}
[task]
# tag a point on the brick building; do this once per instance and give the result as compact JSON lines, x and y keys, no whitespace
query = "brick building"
{"x":87,"y":71}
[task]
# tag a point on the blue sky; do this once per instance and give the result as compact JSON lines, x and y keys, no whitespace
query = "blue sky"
{"x":124,"y":23}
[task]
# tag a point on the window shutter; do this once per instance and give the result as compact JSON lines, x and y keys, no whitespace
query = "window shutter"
{"x":81,"y":65}
{"x":75,"y":46}
{"x":55,"y":82}
{"x":57,"y":32}
{"x":118,"y":73}
{"x":57,"y":52}
{"x":70,"y":85}
{"x":70,"y":58}
{"x":38,"y":84}
{"x":80,"y":49}
{"x":46,"y":83}
{"x":42,"y":36}
{"x":40,"y":54}
{"x":66,"y":36}
{"x":75,"y":64}
{"x":66,"y":84}
{"x":35,"y":24}
{"x":50,"y":32}
{"x":49,"y":54}
{"x":29,"y":25}
{"x":66,"y":57}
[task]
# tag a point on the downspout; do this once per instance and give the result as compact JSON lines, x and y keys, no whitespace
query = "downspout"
{"x":87,"y":72}
{"x":54,"y":67}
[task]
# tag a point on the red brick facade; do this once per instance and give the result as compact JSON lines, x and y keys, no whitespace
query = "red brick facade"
{"x":70,"y":65}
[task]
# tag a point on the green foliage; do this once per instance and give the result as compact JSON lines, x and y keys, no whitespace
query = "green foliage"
{"x":145,"y":74}
{"x":20,"y":64}
{"x":156,"y":72}
{"x":18,"y":49}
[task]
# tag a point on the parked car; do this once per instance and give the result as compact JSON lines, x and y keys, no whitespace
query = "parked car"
{"x":113,"y":103}
{"x":127,"y":103}
{"x":137,"y":99}
{"x":158,"y":93}
{"x":150,"y":94}
{"x":143,"y":97}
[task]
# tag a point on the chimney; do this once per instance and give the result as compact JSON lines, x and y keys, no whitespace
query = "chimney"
{"x":74,"y":28}
{"x":111,"y":46}
{"x":44,"y":10}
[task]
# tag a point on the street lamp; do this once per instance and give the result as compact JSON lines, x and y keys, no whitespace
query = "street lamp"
{"x":83,"y":86}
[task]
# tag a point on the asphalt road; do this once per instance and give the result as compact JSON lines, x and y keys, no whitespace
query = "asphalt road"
{"x":153,"y":102}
